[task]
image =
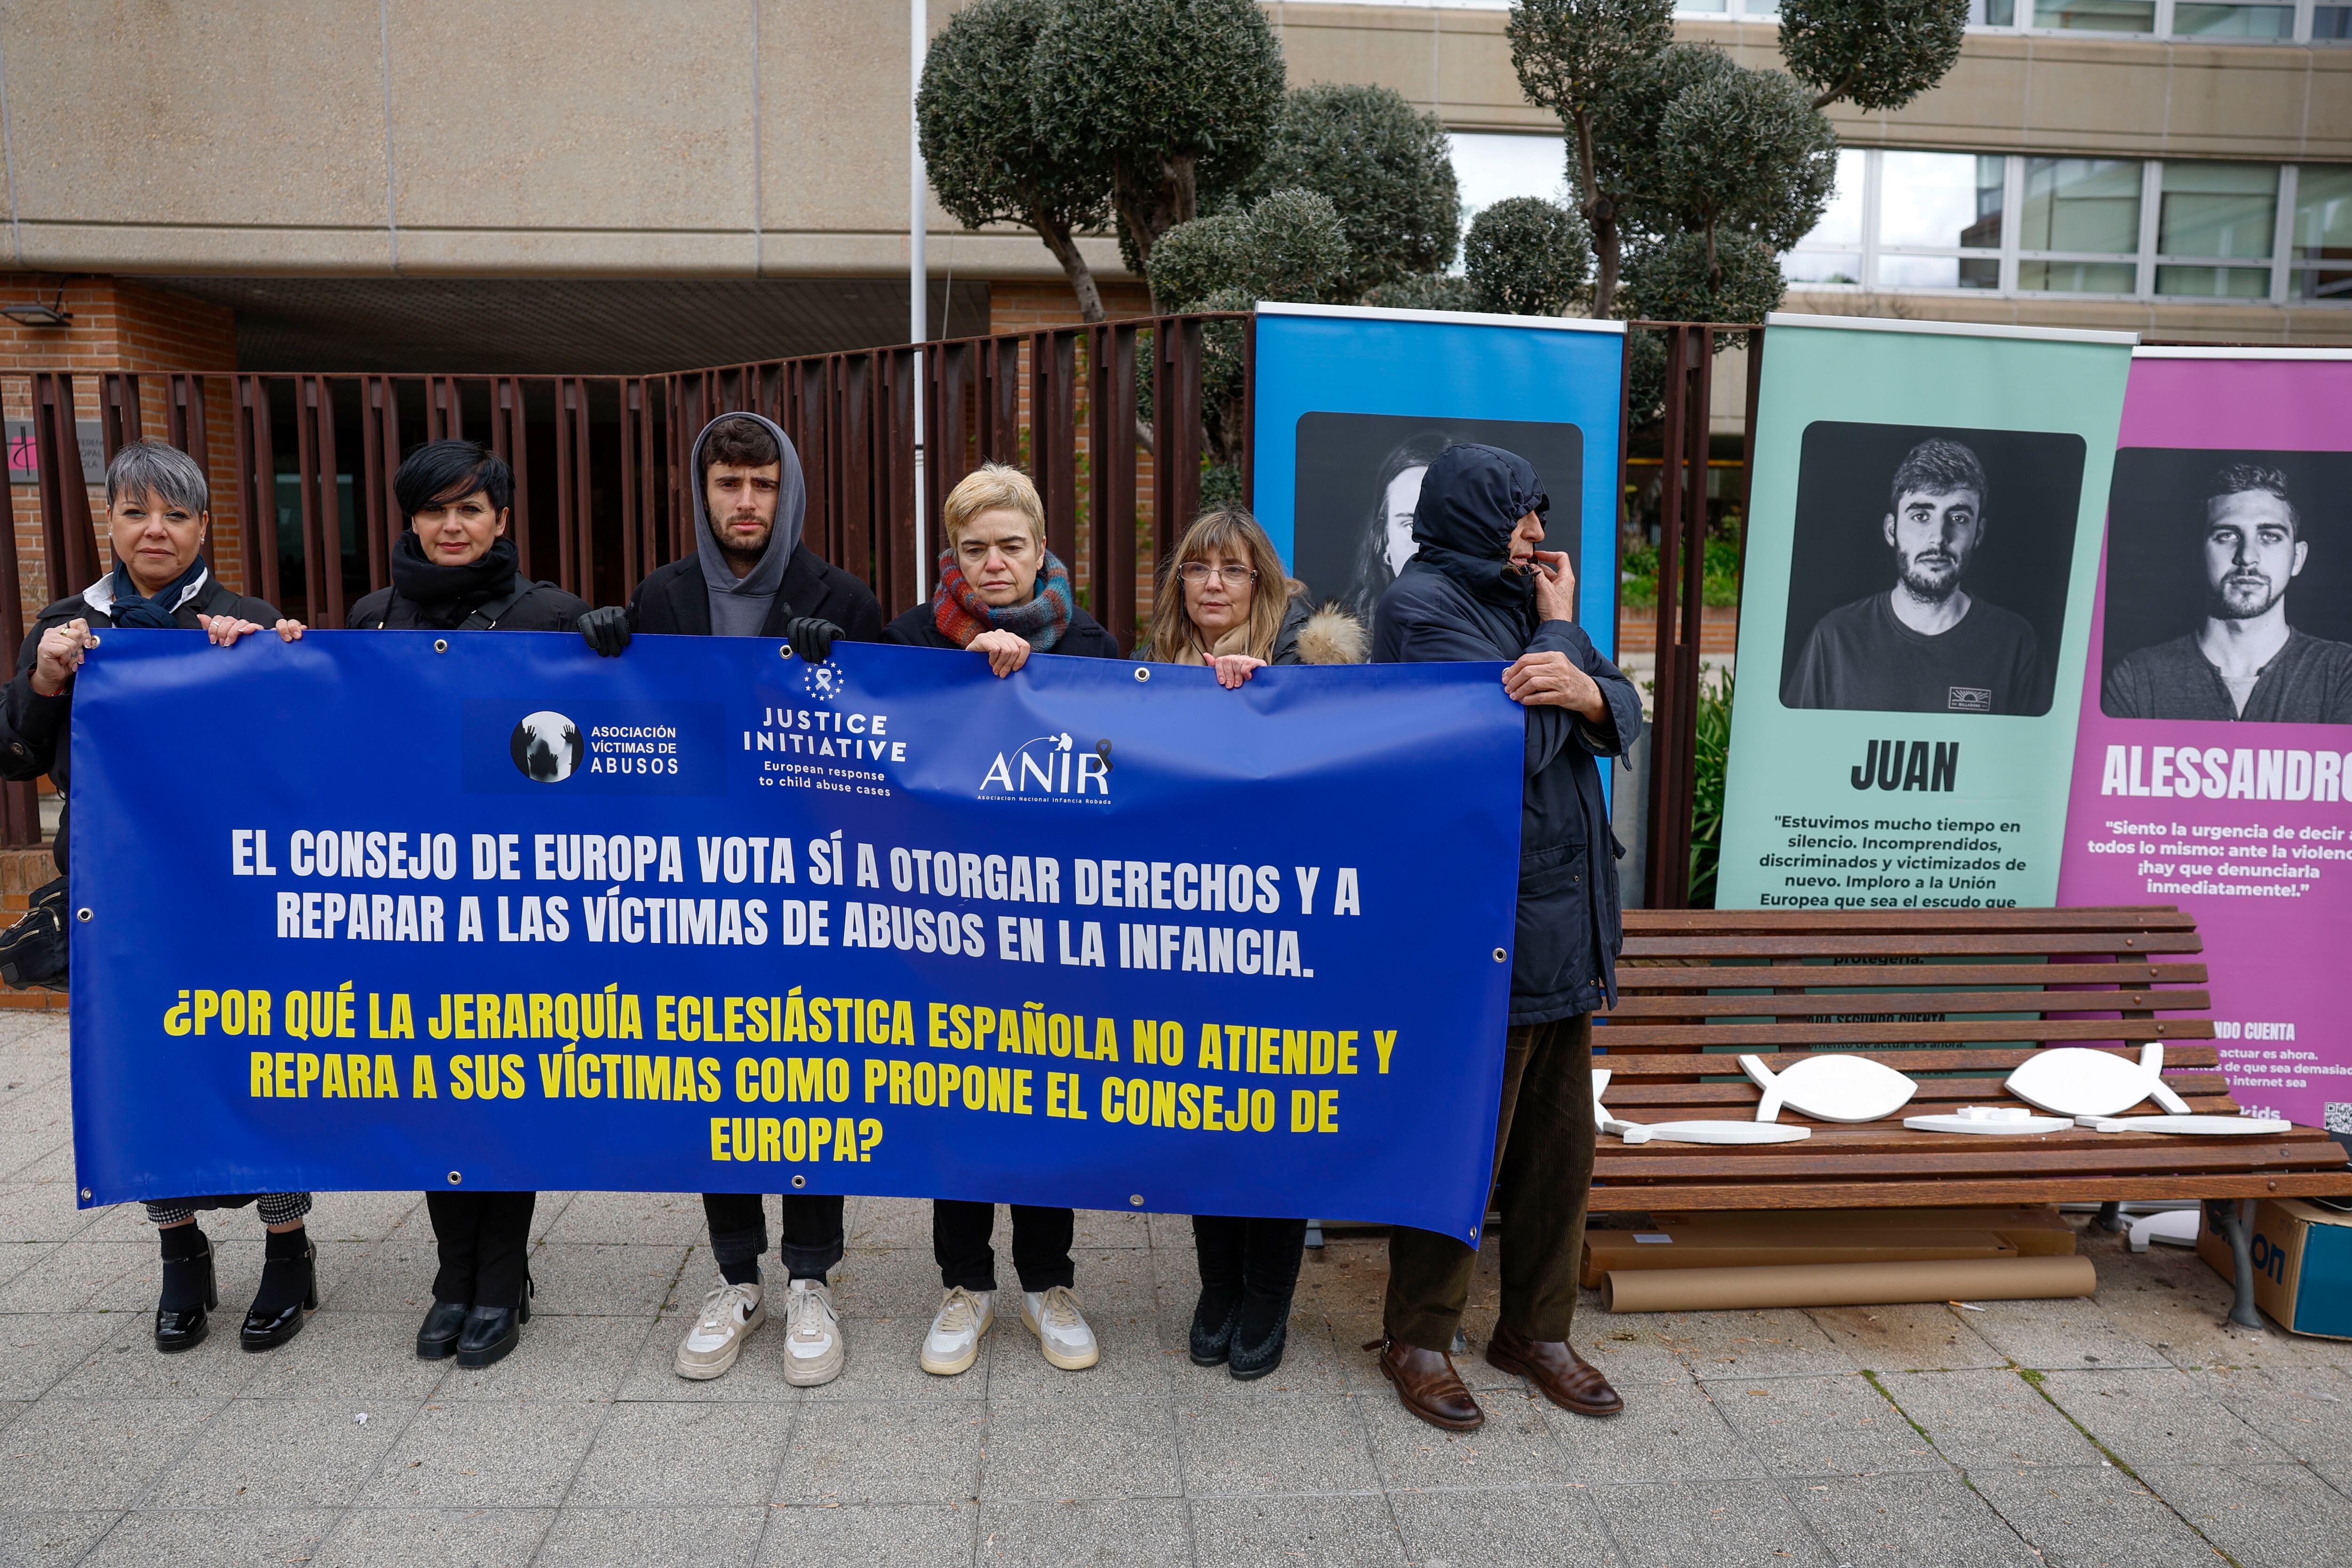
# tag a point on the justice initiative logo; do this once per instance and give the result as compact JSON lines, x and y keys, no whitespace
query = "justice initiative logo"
{"x":547,"y":747}
{"x":1049,"y":767}
{"x":824,"y":681}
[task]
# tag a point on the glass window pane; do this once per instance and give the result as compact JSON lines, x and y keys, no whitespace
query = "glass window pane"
{"x":1841,"y":224}
{"x":1761,"y":7}
{"x":2096,"y":16}
{"x":2214,"y":282}
{"x":2192,"y":20}
{"x":1821,"y":266}
{"x":2331,"y":22}
{"x":2082,"y":203}
{"x":1939,"y":199}
{"x":2218,"y":209}
{"x":2077,"y":277}
{"x":2323,"y":213}
{"x":1993,"y":12}
{"x":1702,"y":5}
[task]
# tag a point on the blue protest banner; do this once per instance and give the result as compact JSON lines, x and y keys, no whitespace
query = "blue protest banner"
{"x":386,"y":911}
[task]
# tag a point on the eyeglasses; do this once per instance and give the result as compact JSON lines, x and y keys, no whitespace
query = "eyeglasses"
{"x":1198,"y":572}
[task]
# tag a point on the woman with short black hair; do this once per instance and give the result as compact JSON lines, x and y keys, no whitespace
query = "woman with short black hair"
{"x":455,"y":569}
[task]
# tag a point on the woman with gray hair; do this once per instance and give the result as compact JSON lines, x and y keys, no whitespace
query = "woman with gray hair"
{"x":158,"y":513}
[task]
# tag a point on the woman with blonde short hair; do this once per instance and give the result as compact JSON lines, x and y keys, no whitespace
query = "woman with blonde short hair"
{"x":1003,"y":593}
{"x":1225,"y":602}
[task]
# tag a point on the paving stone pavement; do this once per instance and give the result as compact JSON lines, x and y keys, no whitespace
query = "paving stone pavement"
{"x":2133,"y":1430}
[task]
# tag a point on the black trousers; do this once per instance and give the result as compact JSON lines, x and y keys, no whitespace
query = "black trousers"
{"x":812,"y":1235}
{"x":485,"y":1239}
{"x":1543,"y":1179}
{"x":960,"y":1241}
{"x":1257,"y":1258}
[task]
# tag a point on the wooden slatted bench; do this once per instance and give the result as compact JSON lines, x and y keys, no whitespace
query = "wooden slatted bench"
{"x":1956,"y":999}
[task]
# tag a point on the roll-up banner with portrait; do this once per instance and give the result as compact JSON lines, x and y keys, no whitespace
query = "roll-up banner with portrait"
{"x":2214,"y":768}
{"x":1353,"y":403}
{"x":1924,"y":535}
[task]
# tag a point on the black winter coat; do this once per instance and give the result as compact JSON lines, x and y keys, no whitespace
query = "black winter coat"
{"x":919,"y":627}
{"x":675,"y":601}
{"x":35,"y":729}
{"x":1564,"y":960}
{"x":544,"y":609}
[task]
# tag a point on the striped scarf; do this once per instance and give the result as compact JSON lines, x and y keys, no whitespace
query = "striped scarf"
{"x":961,"y":616}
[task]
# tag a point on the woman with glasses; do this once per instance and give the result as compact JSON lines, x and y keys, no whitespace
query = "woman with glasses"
{"x":1001,"y":592}
{"x":1225,"y":602}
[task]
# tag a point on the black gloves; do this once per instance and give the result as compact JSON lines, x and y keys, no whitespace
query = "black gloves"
{"x":812,"y":638}
{"x":606,"y":630}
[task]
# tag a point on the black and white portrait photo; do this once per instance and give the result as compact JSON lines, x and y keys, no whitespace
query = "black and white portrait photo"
{"x":1360,"y":477}
{"x":1930,"y":574}
{"x":2229,"y":582}
{"x":547,"y":747}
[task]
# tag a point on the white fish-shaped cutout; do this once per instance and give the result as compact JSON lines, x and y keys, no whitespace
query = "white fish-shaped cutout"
{"x":1989,"y":1122}
{"x":1687,"y":1131}
{"x":2194,"y":1125}
{"x":2073,"y":1080}
{"x":1836,"y":1086}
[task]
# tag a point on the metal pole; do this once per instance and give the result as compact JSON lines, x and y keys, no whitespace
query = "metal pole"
{"x":917,"y":267}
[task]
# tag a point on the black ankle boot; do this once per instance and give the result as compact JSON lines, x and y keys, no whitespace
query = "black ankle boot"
{"x":290,"y":1287}
{"x":437,"y":1340}
{"x":1213,"y":1325}
{"x":1260,"y":1328}
{"x":490,"y":1334}
{"x":189,"y":1290}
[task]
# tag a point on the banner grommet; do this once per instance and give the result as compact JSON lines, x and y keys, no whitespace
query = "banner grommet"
{"x":83,"y":913}
{"x":799,"y":1181}
{"x":1502,"y":954}
{"x":1142,"y":672}
{"x":457,"y":1178}
{"x":1136,"y":1198}
{"x":440,"y":645}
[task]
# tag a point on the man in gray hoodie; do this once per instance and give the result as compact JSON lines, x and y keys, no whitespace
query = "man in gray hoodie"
{"x":751,"y":575}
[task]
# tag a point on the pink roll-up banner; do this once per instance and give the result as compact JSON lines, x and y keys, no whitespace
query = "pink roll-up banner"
{"x":2213,"y":767}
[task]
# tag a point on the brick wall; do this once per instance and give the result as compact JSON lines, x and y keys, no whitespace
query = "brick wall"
{"x":118,"y":325}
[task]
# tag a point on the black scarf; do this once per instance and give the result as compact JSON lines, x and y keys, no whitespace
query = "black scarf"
{"x":1471,"y":500}
{"x":441,"y":596}
{"x":133,"y":609}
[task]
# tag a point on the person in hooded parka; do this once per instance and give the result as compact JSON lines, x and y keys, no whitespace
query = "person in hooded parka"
{"x":1480,"y":587}
{"x":752,"y":575}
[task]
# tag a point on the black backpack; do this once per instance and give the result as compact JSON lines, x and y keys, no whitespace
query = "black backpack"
{"x":32,"y":951}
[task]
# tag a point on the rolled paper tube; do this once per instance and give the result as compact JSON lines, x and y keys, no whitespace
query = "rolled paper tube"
{"x":1847,"y":1284}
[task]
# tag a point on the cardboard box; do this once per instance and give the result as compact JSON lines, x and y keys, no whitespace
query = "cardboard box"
{"x":1730,"y":1247}
{"x":2303,"y":1264}
{"x":2036,"y":1230}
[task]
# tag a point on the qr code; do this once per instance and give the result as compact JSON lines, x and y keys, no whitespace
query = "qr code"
{"x":2340,"y":1116}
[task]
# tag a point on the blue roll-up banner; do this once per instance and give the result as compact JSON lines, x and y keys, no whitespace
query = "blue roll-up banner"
{"x":382,"y":911}
{"x":1353,"y":404}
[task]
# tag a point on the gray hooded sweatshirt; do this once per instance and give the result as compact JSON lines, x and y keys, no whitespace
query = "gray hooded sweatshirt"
{"x":738,"y":606}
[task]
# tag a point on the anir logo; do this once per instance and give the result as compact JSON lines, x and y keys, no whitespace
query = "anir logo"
{"x":1049,"y":767}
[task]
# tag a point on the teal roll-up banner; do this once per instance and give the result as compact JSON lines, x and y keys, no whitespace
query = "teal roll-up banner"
{"x":1923,"y":545}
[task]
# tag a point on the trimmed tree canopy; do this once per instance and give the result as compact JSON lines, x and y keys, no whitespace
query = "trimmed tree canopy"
{"x":1528,"y":257}
{"x":1875,"y":54}
{"x":1148,"y":95}
{"x":1289,"y":246}
{"x":1387,"y":170}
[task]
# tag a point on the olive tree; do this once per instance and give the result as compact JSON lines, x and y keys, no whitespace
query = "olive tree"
{"x":983,"y":149}
{"x":1387,"y":170}
{"x":1875,"y":54}
{"x":1153,"y":99}
{"x":1528,"y":257}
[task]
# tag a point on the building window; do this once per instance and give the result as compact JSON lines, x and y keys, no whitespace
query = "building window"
{"x":2079,"y":230}
{"x":2321,"y":247}
{"x":2209,"y":216}
{"x":2113,"y":226}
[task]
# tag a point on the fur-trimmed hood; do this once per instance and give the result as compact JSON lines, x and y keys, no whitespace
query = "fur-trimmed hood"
{"x":1328,"y":634}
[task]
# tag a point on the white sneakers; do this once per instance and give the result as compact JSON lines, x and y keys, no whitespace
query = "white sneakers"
{"x":1061,"y":1328}
{"x":953,"y":1343}
{"x":729,"y":1315}
{"x":1053,"y":1316}
{"x":811,"y":1335}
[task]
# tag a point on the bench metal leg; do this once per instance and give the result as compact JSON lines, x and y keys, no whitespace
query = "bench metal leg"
{"x":2223,"y":1214}
{"x":2111,"y":1218}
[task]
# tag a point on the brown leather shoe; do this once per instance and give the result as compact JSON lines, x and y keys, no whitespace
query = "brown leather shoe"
{"x":1566,"y":1378}
{"x":1430,"y":1387}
